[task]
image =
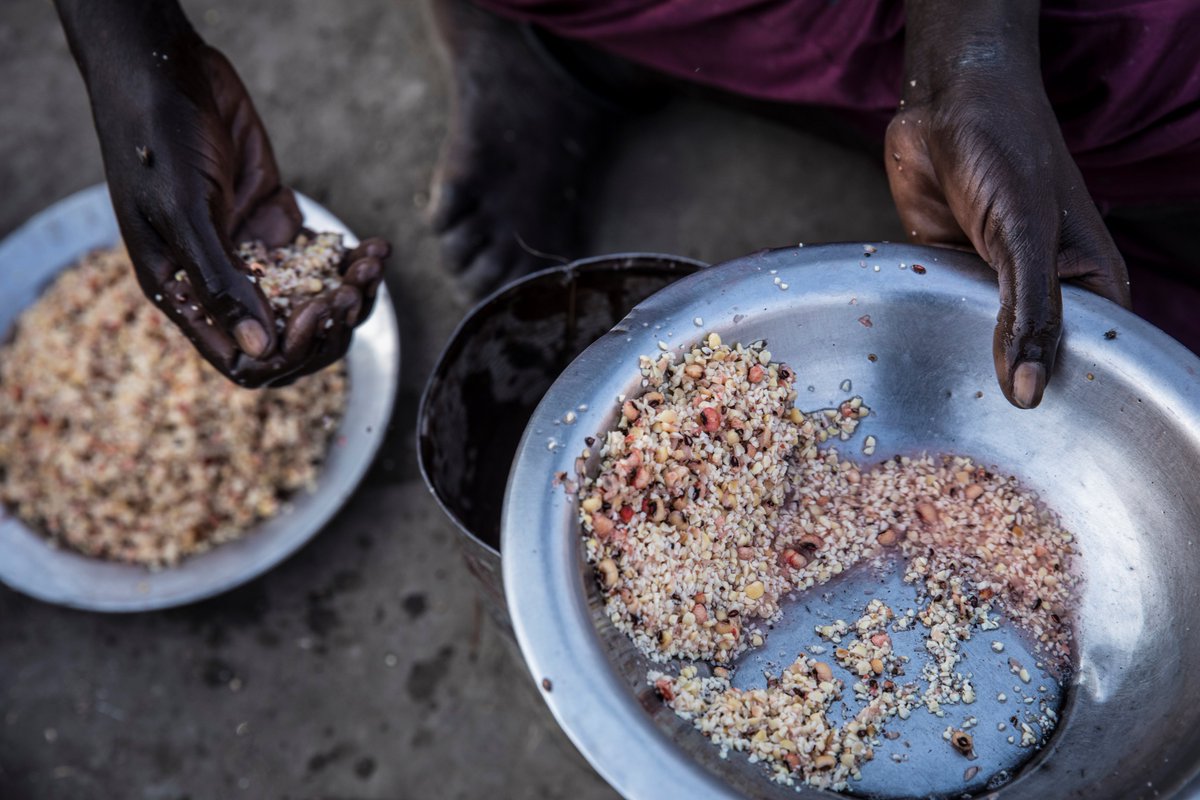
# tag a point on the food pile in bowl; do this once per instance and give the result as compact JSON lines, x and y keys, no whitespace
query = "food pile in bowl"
{"x":118,"y":440}
{"x":716,"y":498}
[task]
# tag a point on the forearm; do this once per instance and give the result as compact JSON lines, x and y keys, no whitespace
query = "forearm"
{"x":950,"y":41}
{"x":142,"y":67}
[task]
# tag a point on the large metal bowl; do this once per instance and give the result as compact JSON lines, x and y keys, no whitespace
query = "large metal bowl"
{"x":1114,"y":448}
{"x":30,"y":257}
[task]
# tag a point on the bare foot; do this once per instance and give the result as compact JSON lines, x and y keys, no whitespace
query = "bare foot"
{"x":522,"y":139}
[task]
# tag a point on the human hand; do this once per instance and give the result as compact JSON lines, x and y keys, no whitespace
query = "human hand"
{"x":191,"y":171}
{"x":975,"y":159}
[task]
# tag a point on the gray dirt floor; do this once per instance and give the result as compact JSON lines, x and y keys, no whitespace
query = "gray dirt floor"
{"x":363,"y":667}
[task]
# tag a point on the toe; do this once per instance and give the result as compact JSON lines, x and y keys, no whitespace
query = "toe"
{"x":450,"y":202}
{"x":465,"y":241}
{"x":499,"y":263}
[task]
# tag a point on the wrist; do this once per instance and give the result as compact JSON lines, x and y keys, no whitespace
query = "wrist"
{"x":952,"y":43}
{"x":115,"y":40}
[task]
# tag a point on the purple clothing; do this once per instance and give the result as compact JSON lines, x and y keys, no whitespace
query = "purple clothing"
{"x":1122,"y":75}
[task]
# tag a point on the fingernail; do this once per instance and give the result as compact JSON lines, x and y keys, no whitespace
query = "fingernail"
{"x":364,"y":271}
{"x":1029,"y":381}
{"x":251,"y":337}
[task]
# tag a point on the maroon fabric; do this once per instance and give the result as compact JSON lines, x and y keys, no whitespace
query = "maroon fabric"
{"x":1163,"y":266}
{"x":1123,"y":75}
{"x":1169,"y":303}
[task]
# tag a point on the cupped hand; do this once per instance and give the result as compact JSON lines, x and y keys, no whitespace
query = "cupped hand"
{"x":191,"y":171}
{"x":979,"y":162}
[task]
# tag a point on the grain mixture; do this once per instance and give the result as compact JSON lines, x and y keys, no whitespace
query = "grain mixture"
{"x":291,"y":274}
{"x":681,"y":533}
{"x":119,"y":440}
{"x":715,"y":499}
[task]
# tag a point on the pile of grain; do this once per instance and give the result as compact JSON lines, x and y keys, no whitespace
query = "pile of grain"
{"x":715,"y":498}
{"x":291,"y":274}
{"x":789,"y":725}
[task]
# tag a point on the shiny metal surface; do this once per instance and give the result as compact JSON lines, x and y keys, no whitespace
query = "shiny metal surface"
{"x":30,"y":257}
{"x":1114,"y":448}
{"x":491,"y":375}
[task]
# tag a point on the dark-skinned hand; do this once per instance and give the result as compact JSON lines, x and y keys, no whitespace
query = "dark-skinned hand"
{"x":976,"y":160}
{"x":191,"y":172}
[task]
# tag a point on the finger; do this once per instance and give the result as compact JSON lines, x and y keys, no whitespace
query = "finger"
{"x":363,"y":268}
{"x":364,"y":276}
{"x":1023,"y":248}
{"x":222,"y":284}
{"x":333,"y":349}
{"x":178,"y":302}
{"x":304,"y":326}
{"x":319,"y":333}
{"x":347,"y":305}
{"x":319,"y":320}
{"x":334,"y":339}
{"x":275,"y":370}
{"x":375,"y":248}
{"x":1090,"y":257}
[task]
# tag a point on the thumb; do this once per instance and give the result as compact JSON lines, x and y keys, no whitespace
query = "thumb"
{"x":1024,"y":249}
{"x":226,"y":289}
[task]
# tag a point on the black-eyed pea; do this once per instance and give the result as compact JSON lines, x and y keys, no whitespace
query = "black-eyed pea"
{"x":608,"y":572}
{"x":824,"y":761}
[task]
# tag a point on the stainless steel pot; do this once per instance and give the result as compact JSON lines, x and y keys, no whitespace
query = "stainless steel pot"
{"x":499,"y":362}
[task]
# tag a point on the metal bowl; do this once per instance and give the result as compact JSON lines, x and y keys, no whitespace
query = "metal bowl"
{"x":58,"y":237}
{"x":1114,"y":448}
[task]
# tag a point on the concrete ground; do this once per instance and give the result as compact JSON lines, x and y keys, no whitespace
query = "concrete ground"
{"x":364,"y":666}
